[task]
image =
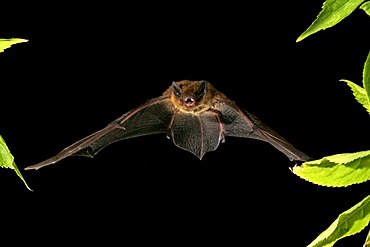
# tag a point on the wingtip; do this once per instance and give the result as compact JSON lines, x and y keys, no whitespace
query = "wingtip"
{"x":40,"y":165}
{"x":303,"y":159}
{"x":34,"y":167}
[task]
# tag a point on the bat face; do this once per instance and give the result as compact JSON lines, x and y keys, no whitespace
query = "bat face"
{"x":195,"y":115}
{"x":191,"y":97}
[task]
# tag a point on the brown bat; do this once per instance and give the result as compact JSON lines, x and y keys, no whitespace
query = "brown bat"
{"x":195,"y":115}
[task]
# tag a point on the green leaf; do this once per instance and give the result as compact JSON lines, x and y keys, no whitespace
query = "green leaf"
{"x":348,"y":223}
{"x":367,"y":241}
{"x":366,"y":76}
{"x":360,"y":94}
{"x":366,"y":7}
{"x":7,"y":160}
{"x":6,"y":43}
{"x":333,"y":11}
{"x":338,"y":170}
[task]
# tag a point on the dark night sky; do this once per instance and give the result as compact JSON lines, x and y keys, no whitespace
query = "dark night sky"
{"x":85,"y":66}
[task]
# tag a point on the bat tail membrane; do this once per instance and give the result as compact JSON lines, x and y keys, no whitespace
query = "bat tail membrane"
{"x":197,"y":134}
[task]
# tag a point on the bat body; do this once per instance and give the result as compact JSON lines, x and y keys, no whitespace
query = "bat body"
{"x":195,"y":115}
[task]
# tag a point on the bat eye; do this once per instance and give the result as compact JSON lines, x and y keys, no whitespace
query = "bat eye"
{"x":176,"y":89}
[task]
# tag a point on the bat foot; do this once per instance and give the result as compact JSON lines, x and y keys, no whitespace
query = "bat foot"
{"x":222,"y":137}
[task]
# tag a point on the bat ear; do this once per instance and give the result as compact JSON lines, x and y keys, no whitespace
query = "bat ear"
{"x":202,"y":89}
{"x":176,"y":89}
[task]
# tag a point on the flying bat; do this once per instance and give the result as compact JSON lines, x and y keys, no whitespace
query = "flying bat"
{"x":194,"y":114}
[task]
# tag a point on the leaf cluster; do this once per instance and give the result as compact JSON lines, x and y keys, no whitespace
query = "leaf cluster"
{"x":341,"y":170}
{"x":6,"y":158}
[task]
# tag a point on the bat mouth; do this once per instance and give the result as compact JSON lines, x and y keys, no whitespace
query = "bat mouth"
{"x":189,"y":101}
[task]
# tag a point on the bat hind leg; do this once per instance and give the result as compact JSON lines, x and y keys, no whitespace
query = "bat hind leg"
{"x":222,"y":128}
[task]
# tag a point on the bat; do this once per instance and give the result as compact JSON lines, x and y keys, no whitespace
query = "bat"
{"x":194,"y":114}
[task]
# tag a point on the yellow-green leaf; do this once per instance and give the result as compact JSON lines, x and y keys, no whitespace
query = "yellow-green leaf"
{"x":366,"y":76}
{"x":367,"y":241}
{"x":366,"y":7}
{"x":6,"y":43}
{"x":360,"y":94}
{"x":333,"y":11}
{"x":7,"y":160}
{"x":338,"y":170}
{"x":348,"y":223}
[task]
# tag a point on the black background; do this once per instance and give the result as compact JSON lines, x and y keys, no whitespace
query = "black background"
{"x":84,"y":66}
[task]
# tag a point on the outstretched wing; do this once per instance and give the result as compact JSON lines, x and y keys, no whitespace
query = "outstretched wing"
{"x":238,"y":123}
{"x":152,"y":117}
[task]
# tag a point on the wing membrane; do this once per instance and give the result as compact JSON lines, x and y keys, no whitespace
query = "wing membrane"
{"x":153,"y":117}
{"x":243,"y":124}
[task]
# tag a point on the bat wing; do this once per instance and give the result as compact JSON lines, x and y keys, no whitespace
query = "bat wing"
{"x":152,"y":117}
{"x":239,"y":123}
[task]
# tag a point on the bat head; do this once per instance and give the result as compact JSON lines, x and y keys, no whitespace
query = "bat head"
{"x":192,"y":96}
